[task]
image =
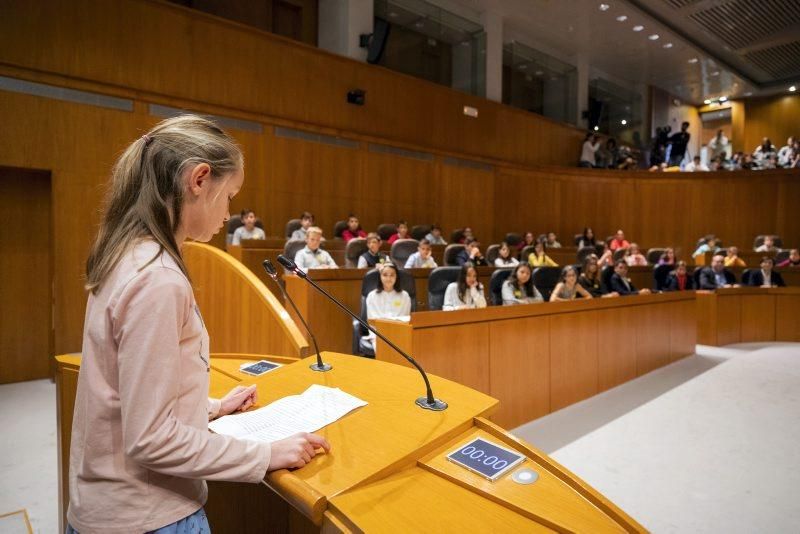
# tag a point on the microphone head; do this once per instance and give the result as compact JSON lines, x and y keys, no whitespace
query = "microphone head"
{"x":286,"y":262}
{"x":269,"y":268}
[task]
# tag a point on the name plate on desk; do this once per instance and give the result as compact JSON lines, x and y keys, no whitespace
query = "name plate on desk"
{"x":485,"y":458}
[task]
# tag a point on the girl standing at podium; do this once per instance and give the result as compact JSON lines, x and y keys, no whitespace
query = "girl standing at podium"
{"x":140,"y":447}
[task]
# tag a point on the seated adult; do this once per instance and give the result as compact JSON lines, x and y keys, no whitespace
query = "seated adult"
{"x":668,"y":257}
{"x":619,"y":241}
{"x":568,"y":287}
{"x":621,"y":284}
{"x":306,"y":222}
{"x":504,"y":257}
{"x":716,"y":276}
{"x":587,"y":239}
{"x":552,"y":240}
{"x":353,"y":229}
{"x":466,"y":292}
{"x":387,"y":301}
{"x":766,"y":277}
{"x":527,"y":240}
{"x":696,"y":165}
{"x":471,"y":254}
{"x":311,"y":256}
{"x":434,"y":237}
{"x":679,"y":279}
{"x":422,"y":258}
{"x":767,"y":246}
{"x":590,"y":278}
{"x":539,"y":257}
{"x":732,"y":258}
{"x":249,"y":230}
{"x":518,"y":288}
{"x":709,"y":244}
{"x":373,"y":257}
{"x":793,"y":260}
{"x":633,"y":256}
{"x":401,"y":233}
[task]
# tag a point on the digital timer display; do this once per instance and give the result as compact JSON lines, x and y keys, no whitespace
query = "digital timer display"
{"x":485,"y":458}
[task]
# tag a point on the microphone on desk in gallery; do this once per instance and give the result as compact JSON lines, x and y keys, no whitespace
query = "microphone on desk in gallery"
{"x":428,"y":402}
{"x":320,"y":365}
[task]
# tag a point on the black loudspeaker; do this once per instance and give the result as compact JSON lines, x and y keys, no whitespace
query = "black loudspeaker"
{"x":377,"y":44}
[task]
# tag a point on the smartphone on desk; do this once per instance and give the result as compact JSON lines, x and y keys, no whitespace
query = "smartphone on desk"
{"x":258,"y":368}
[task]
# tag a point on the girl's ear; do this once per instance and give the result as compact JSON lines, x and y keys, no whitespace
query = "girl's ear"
{"x":199,"y":177}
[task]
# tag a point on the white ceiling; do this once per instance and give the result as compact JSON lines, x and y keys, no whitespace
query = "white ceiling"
{"x":578,"y":30}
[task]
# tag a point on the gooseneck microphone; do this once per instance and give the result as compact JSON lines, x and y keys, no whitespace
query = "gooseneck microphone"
{"x":429,"y":402}
{"x":320,"y":365}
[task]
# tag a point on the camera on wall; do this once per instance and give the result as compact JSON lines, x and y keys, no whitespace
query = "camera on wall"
{"x":356,"y":97}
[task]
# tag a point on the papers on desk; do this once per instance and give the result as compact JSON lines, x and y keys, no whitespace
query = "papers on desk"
{"x":316,"y":407}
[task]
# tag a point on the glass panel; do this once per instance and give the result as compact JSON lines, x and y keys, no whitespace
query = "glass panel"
{"x":615,"y":110}
{"x":536,"y":82}
{"x":430,"y":43}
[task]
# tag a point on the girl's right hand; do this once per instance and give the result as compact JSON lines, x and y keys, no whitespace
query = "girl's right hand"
{"x":296,"y":451}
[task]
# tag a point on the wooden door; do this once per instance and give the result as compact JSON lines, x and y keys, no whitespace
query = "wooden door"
{"x":26,"y":275}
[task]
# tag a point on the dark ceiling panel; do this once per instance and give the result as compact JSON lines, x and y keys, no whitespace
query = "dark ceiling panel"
{"x":782,"y":61}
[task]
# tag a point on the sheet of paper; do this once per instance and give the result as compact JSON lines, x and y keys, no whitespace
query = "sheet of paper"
{"x":315,"y":408}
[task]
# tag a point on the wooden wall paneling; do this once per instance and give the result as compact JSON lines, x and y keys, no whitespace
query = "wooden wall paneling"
{"x":519,"y":374}
{"x":787,"y":199}
{"x":460,"y":353}
{"x":787,"y":320}
{"x":573,"y":358}
{"x":26,"y":271}
{"x":757,"y":318}
{"x":729,"y":319}
{"x":683,"y":329}
{"x":773,"y":117}
{"x":706,"y":318}
{"x":616,"y":352}
{"x":466,"y":197}
{"x":652,"y":337}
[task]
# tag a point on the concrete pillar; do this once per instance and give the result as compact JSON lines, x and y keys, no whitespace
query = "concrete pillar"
{"x":341,"y":22}
{"x":493,"y":27}
{"x":582,"y":93}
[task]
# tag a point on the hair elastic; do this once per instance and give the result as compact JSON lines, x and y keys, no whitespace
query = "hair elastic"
{"x":147,"y":139}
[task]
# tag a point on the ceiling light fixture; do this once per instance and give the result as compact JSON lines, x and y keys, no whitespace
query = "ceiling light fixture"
{"x":623,"y":122}
{"x":604,"y":7}
{"x":538,"y":72}
{"x":596,"y":128}
{"x":792,"y":89}
{"x":667,"y":45}
{"x":749,"y":93}
{"x":638,"y":28}
{"x":706,"y":101}
{"x":653,"y":37}
{"x":715,"y":73}
{"x":622,"y":18}
{"x":693,"y":60}
{"x":723,"y":99}
{"x":392,"y":14}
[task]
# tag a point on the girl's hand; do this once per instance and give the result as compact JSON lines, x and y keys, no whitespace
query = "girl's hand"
{"x":239,"y":399}
{"x":296,"y":451}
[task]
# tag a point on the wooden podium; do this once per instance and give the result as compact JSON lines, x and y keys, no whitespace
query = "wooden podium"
{"x":387,"y":470}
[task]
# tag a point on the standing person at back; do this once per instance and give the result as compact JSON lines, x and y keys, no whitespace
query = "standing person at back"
{"x":353,"y":229}
{"x":141,"y":449}
{"x":591,"y":144}
{"x":248,"y":230}
{"x":679,"y":141}
{"x":312,"y":256}
{"x":306,"y":222}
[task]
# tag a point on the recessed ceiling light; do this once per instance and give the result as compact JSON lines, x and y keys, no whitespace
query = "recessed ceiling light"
{"x":667,"y":45}
{"x":596,"y":128}
{"x":419,"y":23}
{"x":392,"y":14}
{"x":706,"y":101}
{"x":715,"y":73}
{"x":723,"y":99}
{"x":464,"y":43}
{"x":604,"y":7}
{"x":523,"y":67}
{"x":693,"y":60}
{"x":638,"y":28}
{"x":792,"y":89}
{"x":653,"y":37}
{"x":623,"y":122}
{"x":749,"y":93}
{"x":622,"y":18}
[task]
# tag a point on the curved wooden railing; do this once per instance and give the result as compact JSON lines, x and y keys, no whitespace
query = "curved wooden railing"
{"x":240,"y":313}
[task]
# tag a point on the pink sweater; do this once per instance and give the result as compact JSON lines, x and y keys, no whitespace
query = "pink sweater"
{"x":140,"y":441}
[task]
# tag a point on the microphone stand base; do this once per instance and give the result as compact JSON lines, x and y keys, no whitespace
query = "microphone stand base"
{"x":320,"y":368}
{"x":437,"y":406}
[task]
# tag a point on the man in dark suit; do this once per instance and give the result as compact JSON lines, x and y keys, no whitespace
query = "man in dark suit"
{"x":621,"y":284}
{"x":717,"y":275}
{"x":766,"y":277}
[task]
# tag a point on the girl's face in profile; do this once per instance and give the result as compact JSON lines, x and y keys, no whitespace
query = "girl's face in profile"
{"x":207,"y":204}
